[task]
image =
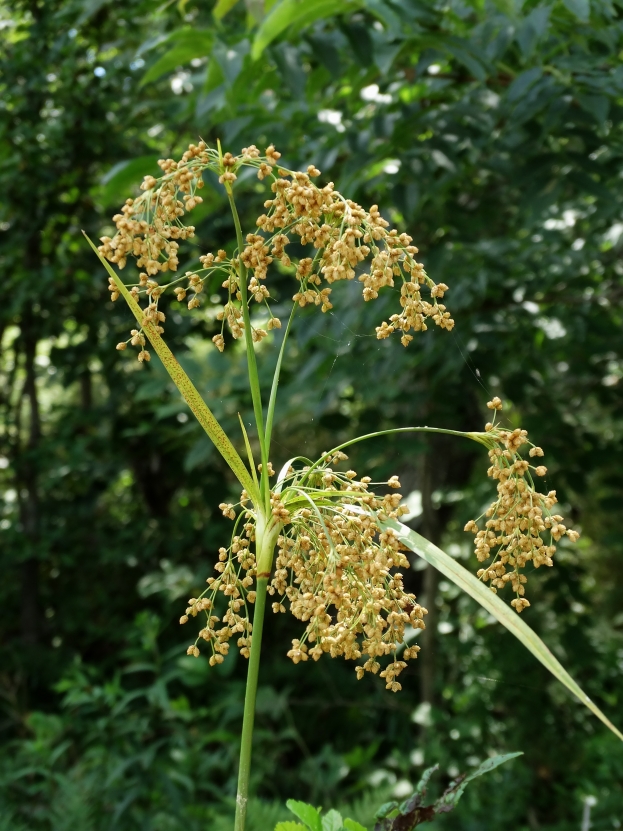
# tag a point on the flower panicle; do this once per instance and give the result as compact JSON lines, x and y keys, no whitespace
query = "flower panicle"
{"x":236,"y":573}
{"x":341,"y":234}
{"x":336,"y":569}
{"x":519,"y":527}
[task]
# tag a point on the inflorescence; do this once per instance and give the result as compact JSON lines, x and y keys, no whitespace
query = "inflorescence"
{"x":340,"y":233}
{"x":519,"y":527}
{"x":336,"y":566}
{"x":336,"y":569}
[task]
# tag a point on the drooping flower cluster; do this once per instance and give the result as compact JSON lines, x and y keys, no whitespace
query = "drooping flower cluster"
{"x":335,"y":569}
{"x":520,"y":527}
{"x":341,"y":236}
{"x":236,"y":577}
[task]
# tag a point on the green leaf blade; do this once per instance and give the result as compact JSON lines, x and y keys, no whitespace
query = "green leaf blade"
{"x":307,"y":813}
{"x":448,"y":801}
{"x":187,"y":45}
{"x":494,"y":605}
{"x":191,"y":396}
{"x":332,"y":821}
{"x":352,"y":825}
{"x":296,"y":12}
{"x":223,"y":7}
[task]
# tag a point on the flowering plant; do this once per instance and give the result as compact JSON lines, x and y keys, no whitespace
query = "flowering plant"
{"x":338,"y":539}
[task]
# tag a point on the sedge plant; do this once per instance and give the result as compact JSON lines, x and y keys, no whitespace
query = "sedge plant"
{"x":314,"y":537}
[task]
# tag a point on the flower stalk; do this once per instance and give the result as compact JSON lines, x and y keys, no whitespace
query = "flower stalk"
{"x":248,"y":719}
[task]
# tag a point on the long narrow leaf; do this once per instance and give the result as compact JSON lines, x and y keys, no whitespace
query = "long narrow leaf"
{"x":202,"y":412}
{"x":470,"y":584}
{"x":296,"y":12}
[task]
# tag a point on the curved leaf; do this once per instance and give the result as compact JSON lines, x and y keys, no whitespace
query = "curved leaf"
{"x":454,"y":792}
{"x":297,"y":12}
{"x":187,"y":44}
{"x":223,"y":7}
{"x":200,"y":409}
{"x":470,"y":584}
{"x":351,"y":825}
{"x":307,"y":813}
{"x":119,"y":180}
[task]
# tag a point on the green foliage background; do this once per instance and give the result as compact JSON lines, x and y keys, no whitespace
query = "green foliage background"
{"x":491,"y":131}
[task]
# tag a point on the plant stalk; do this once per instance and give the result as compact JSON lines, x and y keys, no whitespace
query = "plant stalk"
{"x":254,"y":380}
{"x":244,"y":770}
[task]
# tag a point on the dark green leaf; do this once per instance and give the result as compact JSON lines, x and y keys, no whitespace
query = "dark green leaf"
{"x":580,"y":8}
{"x":299,"y":13}
{"x":123,"y":179}
{"x":447,"y":802}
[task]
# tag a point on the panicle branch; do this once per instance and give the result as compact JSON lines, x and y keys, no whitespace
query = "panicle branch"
{"x":340,"y":234}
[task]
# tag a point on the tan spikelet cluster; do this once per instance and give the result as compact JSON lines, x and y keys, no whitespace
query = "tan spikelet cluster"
{"x":344,"y":235}
{"x":236,"y":576}
{"x":340,"y":233}
{"x":336,"y":570}
{"x":519,"y":527}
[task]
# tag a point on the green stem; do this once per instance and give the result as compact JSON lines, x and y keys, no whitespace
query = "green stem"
{"x":242,"y":797}
{"x":273,"y":390}
{"x":473,"y":436}
{"x":254,"y":380}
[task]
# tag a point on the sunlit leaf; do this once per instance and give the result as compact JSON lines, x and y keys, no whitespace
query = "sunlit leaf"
{"x":223,"y":7}
{"x":307,"y":813}
{"x":332,"y":821}
{"x":501,"y":611}
{"x":187,"y":45}
{"x":297,"y":12}
{"x":352,"y":825}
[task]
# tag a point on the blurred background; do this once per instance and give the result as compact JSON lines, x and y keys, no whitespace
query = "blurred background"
{"x":490,"y":130}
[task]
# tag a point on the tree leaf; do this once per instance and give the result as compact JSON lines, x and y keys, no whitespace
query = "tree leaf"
{"x":223,"y":7}
{"x":351,"y":825}
{"x":454,"y":792}
{"x":580,"y":8}
{"x":307,"y":813}
{"x":523,"y":82}
{"x":532,"y":29}
{"x":200,"y":409}
{"x":297,"y":12}
{"x":118,"y":181}
{"x":188,"y":44}
{"x":492,"y":603}
{"x":332,"y":821}
{"x":382,"y":10}
{"x":423,"y":783}
{"x":386,"y":809}
{"x":597,"y":105}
